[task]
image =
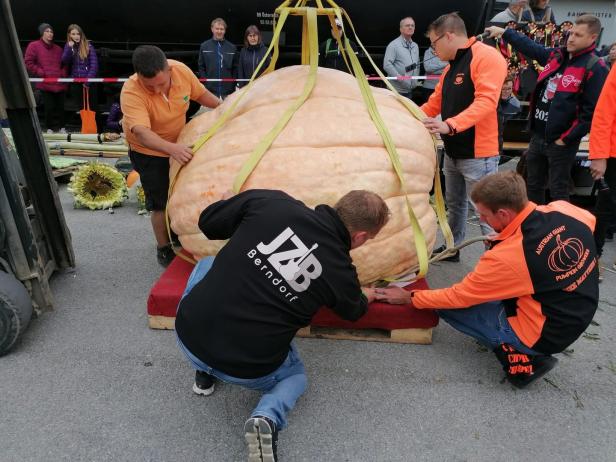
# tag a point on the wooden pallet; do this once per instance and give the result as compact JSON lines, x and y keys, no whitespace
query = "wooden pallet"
{"x":161,"y":322}
{"x":415,"y":335}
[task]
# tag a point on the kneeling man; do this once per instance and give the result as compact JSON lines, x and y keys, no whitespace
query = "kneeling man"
{"x":534,"y":292}
{"x":240,"y":313}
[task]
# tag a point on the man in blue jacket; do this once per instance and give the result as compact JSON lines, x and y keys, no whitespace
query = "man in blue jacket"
{"x":562,"y":104}
{"x":238,"y":316}
{"x":218,"y":59}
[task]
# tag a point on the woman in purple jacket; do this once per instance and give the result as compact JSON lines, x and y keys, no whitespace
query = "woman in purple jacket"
{"x":79,"y":55}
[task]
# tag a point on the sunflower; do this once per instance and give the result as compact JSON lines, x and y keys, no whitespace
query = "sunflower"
{"x":98,"y":186}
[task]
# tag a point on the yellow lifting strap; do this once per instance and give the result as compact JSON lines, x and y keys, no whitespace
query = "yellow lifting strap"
{"x":310,"y":56}
{"x":273,"y":48}
{"x":253,"y":160}
{"x":347,"y":51}
{"x":418,"y":113}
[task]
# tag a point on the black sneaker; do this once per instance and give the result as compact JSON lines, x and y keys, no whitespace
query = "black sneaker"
{"x":262,"y":439}
{"x":540,"y":365}
{"x":165,"y":255}
{"x":455,"y":258}
{"x":523,"y":369}
{"x":204,"y":384}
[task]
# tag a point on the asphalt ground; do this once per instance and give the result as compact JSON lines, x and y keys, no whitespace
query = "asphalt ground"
{"x":90,"y":381}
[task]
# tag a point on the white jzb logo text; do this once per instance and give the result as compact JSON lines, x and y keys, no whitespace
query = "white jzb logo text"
{"x":297,"y":266}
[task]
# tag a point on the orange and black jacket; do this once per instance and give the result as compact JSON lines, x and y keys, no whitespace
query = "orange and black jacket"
{"x":543,"y":267}
{"x":467,"y":97}
{"x":603,"y":128}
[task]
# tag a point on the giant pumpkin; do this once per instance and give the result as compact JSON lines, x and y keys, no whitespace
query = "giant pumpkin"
{"x":329,"y":147}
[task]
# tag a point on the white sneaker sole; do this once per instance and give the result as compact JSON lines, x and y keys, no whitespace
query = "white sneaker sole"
{"x":258,"y":435}
{"x":200,"y":391}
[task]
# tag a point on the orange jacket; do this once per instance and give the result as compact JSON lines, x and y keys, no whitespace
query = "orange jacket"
{"x":603,"y":128}
{"x":467,"y":97}
{"x":543,"y":267}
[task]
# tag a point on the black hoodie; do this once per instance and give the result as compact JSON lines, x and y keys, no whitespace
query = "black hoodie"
{"x":283,"y":261}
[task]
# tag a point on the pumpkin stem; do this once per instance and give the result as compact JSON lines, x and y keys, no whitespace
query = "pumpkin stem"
{"x":559,"y":242}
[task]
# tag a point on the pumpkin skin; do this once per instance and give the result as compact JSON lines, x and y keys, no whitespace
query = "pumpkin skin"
{"x":329,"y":147}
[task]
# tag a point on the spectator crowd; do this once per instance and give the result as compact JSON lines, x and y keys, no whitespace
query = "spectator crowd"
{"x":541,"y":58}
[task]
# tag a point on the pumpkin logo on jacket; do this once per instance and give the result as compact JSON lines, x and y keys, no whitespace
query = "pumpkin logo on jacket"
{"x":459,"y":80}
{"x":297,"y":264}
{"x":566,"y":255}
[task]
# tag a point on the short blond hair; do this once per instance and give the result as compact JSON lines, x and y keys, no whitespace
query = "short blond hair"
{"x":592,"y":22}
{"x":362,"y":210}
{"x":502,"y":190}
{"x":450,"y":22}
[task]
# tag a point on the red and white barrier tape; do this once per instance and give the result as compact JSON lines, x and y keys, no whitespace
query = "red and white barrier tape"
{"x":124,"y":79}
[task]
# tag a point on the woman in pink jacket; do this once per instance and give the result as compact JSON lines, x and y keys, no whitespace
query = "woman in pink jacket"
{"x":44,"y":59}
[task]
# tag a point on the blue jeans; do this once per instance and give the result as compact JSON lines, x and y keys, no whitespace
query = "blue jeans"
{"x":487,"y":323}
{"x":460,"y":177}
{"x":281,"y":388}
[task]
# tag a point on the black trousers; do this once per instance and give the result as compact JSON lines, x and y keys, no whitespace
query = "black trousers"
{"x":154,"y":174}
{"x":53,"y":106}
{"x":605,"y":210}
{"x":549,"y":163}
{"x":75,"y":96}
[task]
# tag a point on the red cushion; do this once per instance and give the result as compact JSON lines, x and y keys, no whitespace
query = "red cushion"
{"x":166,"y":293}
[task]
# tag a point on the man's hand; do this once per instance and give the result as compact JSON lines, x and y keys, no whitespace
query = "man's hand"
{"x":559,"y":142}
{"x":488,"y":240}
{"x":495,"y":31}
{"x":369,"y":293}
{"x":436,"y":126}
{"x":597,"y":168}
{"x":180,"y":152}
{"x":393,"y":295}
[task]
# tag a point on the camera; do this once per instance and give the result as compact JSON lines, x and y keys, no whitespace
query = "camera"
{"x":411,"y":67}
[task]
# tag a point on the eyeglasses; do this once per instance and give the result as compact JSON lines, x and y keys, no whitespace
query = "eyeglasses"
{"x":433,"y":44}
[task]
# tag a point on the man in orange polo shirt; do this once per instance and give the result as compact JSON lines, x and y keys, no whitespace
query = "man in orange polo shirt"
{"x":466,"y":97}
{"x":154,"y":103}
{"x":534,"y":292}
